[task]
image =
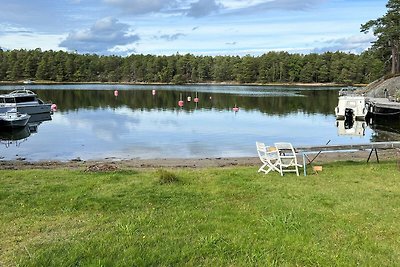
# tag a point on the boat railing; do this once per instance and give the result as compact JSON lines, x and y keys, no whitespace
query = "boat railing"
{"x":348,"y":91}
{"x":23,"y":91}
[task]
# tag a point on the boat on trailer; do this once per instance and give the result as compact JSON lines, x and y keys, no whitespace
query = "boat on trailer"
{"x":25,"y":101}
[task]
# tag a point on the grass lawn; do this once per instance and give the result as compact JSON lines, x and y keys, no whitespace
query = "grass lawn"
{"x":347,"y":215}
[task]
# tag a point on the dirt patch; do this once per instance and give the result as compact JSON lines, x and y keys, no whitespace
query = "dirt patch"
{"x":103,"y":167}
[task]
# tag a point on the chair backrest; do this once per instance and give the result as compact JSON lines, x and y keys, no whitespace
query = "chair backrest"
{"x":261,"y":149}
{"x":266,"y":152}
{"x":285,"y":147}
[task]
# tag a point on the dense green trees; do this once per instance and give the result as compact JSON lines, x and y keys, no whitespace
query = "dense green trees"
{"x":387,"y":31}
{"x":272,"y":67}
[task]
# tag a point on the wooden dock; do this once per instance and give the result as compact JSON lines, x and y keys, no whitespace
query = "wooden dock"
{"x":331,"y":148}
{"x":373,"y":146}
{"x":382,"y":106}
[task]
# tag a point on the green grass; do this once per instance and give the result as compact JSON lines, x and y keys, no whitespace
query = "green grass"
{"x":347,"y":215}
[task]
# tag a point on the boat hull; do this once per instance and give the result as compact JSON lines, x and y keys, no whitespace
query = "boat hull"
{"x":14,"y":121}
{"x":35,"y":109}
{"x":351,"y":106}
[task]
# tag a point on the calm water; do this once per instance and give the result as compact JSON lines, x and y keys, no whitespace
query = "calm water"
{"x":91,"y":123}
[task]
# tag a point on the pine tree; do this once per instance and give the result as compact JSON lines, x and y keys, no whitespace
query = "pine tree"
{"x":387,"y":31}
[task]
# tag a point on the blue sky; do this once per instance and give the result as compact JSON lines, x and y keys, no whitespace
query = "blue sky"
{"x":200,"y":27}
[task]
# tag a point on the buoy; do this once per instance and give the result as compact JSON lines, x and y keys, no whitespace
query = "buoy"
{"x":53,"y":107}
{"x":153,"y":92}
{"x":180,"y":102}
{"x":189,"y":98}
{"x":235,"y":109}
{"x":116,"y":92}
{"x":196,"y":100}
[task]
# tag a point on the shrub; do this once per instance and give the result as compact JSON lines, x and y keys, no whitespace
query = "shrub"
{"x":166,"y":177}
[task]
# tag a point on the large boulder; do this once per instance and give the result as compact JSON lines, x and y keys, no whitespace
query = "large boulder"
{"x":379,"y":87}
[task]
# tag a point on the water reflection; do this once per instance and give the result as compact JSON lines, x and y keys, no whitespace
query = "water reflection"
{"x":385,"y":128}
{"x":351,"y":127}
{"x":93,"y":121}
{"x":270,"y":101}
{"x":14,"y":136}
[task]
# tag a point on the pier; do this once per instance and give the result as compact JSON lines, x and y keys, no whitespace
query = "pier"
{"x":373,"y":147}
{"x":382,"y":106}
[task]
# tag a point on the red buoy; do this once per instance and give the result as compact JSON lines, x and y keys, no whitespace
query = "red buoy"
{"x":180,"y":103}
{"x":235,"y":108}
{"x":196,"y":100}
{"x":53,"y":107}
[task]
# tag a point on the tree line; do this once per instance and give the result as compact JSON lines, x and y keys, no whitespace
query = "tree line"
{"x":271,"y":67}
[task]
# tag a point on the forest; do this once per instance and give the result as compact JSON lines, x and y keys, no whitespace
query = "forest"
{"x":271,"y":67}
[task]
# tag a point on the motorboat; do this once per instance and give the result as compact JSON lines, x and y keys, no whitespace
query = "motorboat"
{"x":13,"y":119}
{"x":25,"y":101}
{"x":351,"y":107}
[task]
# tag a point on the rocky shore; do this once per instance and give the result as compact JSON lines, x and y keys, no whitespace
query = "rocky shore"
{"x":115,"y":164}
{"x":379,"y":87}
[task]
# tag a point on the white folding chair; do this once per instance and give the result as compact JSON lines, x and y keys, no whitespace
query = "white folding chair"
{"x":269,"y":158}
{"x":287,"y":159}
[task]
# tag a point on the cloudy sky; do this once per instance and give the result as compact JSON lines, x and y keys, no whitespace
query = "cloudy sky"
{"x":200,"y":27}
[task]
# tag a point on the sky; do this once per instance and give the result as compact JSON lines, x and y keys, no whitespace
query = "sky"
{"x":199,"y":27}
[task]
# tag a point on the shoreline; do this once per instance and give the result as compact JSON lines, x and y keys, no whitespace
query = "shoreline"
{"x":108,"y":164}
{"x":186,"y":84}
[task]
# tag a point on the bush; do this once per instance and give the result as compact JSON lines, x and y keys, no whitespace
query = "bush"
{"x":166,"y":177}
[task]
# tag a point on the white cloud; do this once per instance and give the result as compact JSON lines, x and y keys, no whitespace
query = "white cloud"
{"x":30,"y":41}
{"x":352,"y":44}
{"x":101,"y":38}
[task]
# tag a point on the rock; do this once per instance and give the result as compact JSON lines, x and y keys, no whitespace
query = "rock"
{"x":377,"y":88}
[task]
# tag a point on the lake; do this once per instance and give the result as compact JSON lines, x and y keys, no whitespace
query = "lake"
{"x":146,"y":122}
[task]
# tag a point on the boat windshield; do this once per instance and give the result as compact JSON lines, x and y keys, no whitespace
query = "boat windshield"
{"x":24,"y":99}
{"x":9,"y":100}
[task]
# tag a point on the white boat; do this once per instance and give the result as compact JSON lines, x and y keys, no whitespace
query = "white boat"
{"x":13,"y":119}
{"x":25,"y":101}
{"x":351,"y":107}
